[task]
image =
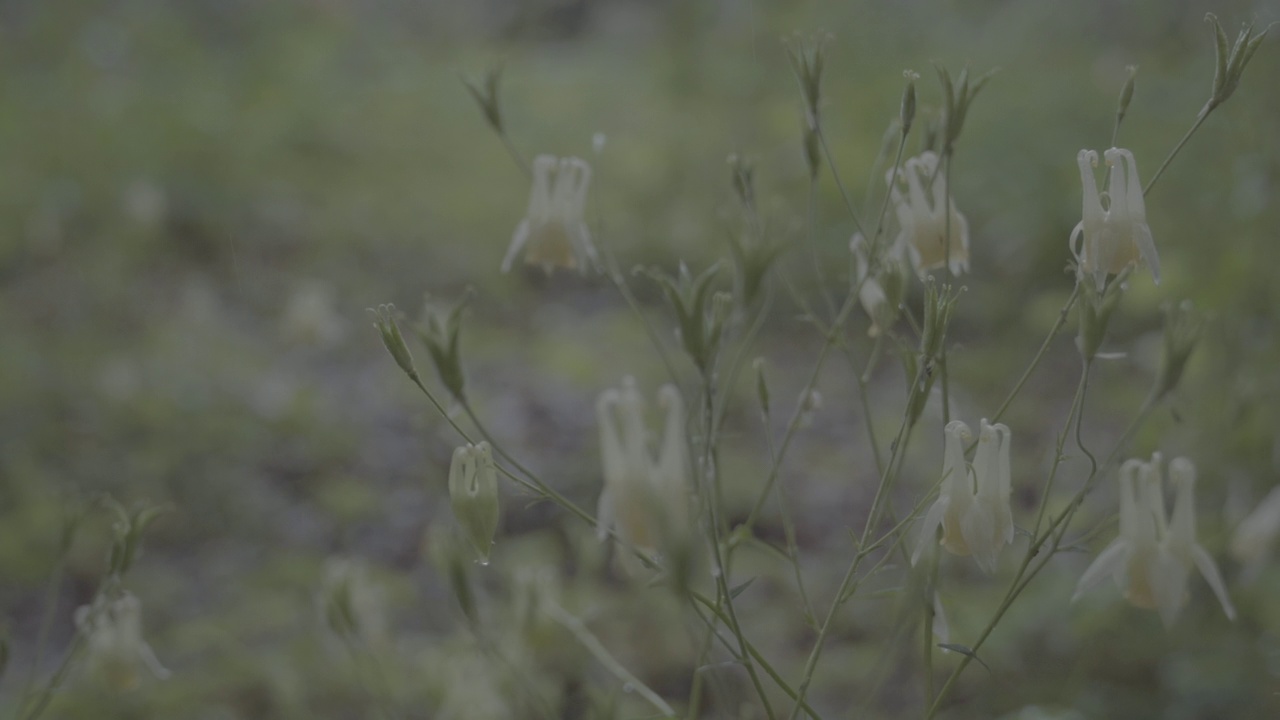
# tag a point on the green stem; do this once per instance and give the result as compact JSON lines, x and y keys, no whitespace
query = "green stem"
{"x":589,"y":641}
{"x":835,"y":175}
{"x":1035,"y":361}
{"x":1200,"y":118}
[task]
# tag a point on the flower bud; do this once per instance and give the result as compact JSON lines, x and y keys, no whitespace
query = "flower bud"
{"x":907,"y":113}
{"x":1182,"y":329}
{"x":697,"y":310}
{"x":1231,"y":60}
{"x":1126,"y":94}
{"x":128,"y":529}
{"x":807,"y":56}
{"x":442,"y":547}
{"x":473,"y":493}
{"x":485,"y":93}
{"x":1094,"y":313}
{"x":351,"y":605}
{"x":762,"y":387}
{"x":384,"y":319}
{"x":439,"y":332}
{"x":742,"y":177}
{"x":957,"y":96}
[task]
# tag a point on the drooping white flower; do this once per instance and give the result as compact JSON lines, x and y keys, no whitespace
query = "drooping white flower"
{"x":1152,"y":558}
{"x":879,"y":289}
{"x":116,"y":652}
{"x":645,"y":498}
{"x":973,"y":501}
{"x":1256,"y":535}
{"x":1107,"y":240}
{"x":923,"y":219}
{"x":554,"y":231}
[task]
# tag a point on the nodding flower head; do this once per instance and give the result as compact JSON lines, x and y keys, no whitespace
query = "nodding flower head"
{"x":646,"y":497}
{"x":973,"y":502}
{"x":923,"y":217}
{"x":112,"y":631}
{"x":1152,"y":558}
{"x":554,"y":230}
{"x":1107,"y":240}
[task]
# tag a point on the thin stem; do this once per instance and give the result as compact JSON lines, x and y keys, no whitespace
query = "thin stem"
{"x":752,"y":651}
{"x":835,"y":175}
{"x":1035,"y":361}
{"x":46,"y":623}
{"x":724,"y":595}
{"x":589,"y":641}
{"x":516,"y":155}
{"x":811,"y":222}
{"x":1200,"y":118}
{"x":886,"y":480}
{"x":56,"y":680}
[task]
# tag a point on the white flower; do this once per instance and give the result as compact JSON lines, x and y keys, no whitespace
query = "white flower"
{"x":973,"y":502}
{"x":1106,"y":241}
{"x":922,"y":217}
{"x":1151,"y":560}
{"x":554,"y":231}
{"x":1254,"y":537}
{"x":116,"y":652}
{"x":645,"y":498}
{"x":881,"y":293}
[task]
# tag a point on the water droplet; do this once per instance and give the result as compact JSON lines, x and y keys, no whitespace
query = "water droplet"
{"x":628,"y":688}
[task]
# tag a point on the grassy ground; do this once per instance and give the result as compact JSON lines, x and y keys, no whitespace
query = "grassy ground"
{"x":198,"y":202}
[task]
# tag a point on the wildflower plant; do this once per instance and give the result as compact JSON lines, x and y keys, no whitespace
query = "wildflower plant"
{"x":669,"y":502}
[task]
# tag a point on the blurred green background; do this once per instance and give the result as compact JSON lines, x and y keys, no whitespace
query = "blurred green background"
{"x":198,"y":200}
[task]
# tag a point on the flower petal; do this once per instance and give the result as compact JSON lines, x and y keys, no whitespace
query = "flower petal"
{"x":1209,"y":569}
{"x":1109,"y":562}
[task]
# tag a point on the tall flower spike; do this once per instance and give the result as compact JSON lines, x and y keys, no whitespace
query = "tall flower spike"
{"x":645,"y":498}
{"x":973,"y":503}
{"x":554,"y":231}
{"x":922,"y":217}
{"x":1107,"y":240}
{"x":1152,"y":558}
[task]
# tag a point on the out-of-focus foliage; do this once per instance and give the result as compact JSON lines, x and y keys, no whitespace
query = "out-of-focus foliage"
{"x":199,"y":200}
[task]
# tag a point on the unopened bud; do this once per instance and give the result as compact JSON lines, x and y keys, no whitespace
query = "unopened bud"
{"x":810,"y":404}
{"x":128,"y":529}
{"x":439,"y":332}
{"x":742,"y":177}
{"x":473,"y":493}
{"x":1126,"y":94}
{"x":445,"y":553}
{"x":384,"y":319}
{"x":1231,"y":59}
{"x":907,"y":113}
{"x":1094,"y":313}
{"x":1182,"y":329}
{"x":762,"y":387}
{"x":485,"y":93}
{"x":807,"y":57}
{"x":812,"y":151}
